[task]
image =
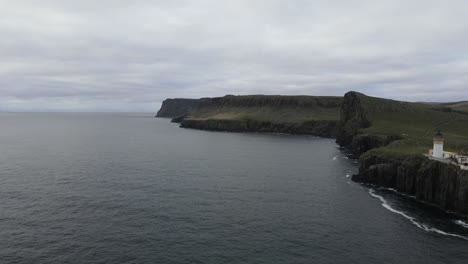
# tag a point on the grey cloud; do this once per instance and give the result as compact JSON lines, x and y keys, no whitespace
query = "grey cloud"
{"x":131,"y":55}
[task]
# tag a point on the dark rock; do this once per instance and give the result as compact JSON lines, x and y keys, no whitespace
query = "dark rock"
{"x":325,"y":128}
{"x":353,"y":117}
{"x":365,"y":142}
{"x":172,"y":108}
{"x":383,"y":174}
{"x":177,"y":119}
{"x":443,"y":185}
{"x":205,"y":116}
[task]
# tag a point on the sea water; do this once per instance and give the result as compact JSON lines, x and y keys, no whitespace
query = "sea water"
{"x":130,"y":188}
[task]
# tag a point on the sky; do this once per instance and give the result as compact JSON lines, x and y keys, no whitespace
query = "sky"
{"x":115,"y":55}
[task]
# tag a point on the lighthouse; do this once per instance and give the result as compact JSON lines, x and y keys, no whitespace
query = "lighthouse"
{"x":438,"y":151}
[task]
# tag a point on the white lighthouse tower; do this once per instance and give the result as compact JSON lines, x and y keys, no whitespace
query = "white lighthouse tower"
{"x":438,"y":151}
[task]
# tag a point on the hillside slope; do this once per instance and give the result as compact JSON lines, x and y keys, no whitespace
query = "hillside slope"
{"x":391,"y":138}
{"x":414,"y":123}
{"x":459,"y":106}
{"x":267,"y":113}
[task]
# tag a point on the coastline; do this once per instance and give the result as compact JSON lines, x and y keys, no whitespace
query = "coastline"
{"x":383,"y":161}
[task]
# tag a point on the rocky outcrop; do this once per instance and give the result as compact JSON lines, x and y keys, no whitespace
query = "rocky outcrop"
{"x":362,"y":143}
{"x":434,"y":182}
{"x":171,"y":108}
{"x":322,"y":128}
{"x":314,"y":115}
{"x":353,"y":117}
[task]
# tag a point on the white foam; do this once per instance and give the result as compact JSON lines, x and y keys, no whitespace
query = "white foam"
{"x":412,"y":219}
{"x":395,"y":191}
{"x":388,"y":189}
{"x":334,"y":158}
{"x":461,"y":223}
{"x":348,"y":175}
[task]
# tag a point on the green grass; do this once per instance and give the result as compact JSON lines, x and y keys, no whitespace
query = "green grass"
{"x":459,"y":106}
{"x":416,"y":123}
{"x":276,"y":109}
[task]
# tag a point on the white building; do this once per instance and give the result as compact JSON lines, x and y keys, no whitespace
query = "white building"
{"x":438,"y":150}
{"x":438,"y":153}
{"x":463,"y":161}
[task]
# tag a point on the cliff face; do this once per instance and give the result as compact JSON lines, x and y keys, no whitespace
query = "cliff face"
{"x":355,"y":116}
{"x":373,"y":129}
{"x":263,"y":113}
{"x":441,"y":184}
{"x":319,"y":128}
{"x":177,"y":107}
{"x":362,"y":143}
{"x":273,"y":101}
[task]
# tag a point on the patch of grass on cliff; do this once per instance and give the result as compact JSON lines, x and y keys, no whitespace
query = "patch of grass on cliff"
{"x":418,"y":127}
{"x":276,"y":109}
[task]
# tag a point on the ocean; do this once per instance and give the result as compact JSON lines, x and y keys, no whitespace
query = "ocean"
{"x":131,"y":188}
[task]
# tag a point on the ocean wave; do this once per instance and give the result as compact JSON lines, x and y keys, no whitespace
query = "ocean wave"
{"x":397,"y":192}
{"x":412,"y":219}
{"x":461,"y":223}
{"x":388,"y":189}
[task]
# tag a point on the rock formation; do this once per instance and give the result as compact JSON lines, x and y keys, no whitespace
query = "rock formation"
{"x":261,"y":113}
{"x":443,"y":185}
{"x":172,"y":108}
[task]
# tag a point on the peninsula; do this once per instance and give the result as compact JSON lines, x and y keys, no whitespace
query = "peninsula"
{"x":390,"y":137}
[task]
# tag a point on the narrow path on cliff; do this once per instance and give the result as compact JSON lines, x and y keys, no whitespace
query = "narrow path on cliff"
{"x":443,"y":124}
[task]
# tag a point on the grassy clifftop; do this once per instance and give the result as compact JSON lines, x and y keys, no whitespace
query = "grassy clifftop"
{"x":413,"y":123}
{"x":271,"y":108}
{"x":393,"y":135}
{"x":267,"y":113}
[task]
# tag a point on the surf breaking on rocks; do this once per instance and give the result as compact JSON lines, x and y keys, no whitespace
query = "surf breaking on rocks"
{"x":412,"y":219}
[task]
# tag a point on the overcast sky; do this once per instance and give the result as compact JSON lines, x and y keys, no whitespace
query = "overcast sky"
{"x":80,"y":55}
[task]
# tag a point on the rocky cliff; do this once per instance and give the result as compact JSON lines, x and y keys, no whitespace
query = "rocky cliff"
{"x":324,"y":128}
{"x":177,"y":107}
{"x":263,"y":113}
{"x":355,"y":115}
{"x":440,"y":184}
{"x":390,"y":137}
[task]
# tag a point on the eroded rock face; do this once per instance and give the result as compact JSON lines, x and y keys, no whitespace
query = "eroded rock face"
{"x":365,"y":142}
{"x":441,"y":184}
{"x":259,"y":113}
{"x":178,"y":107}
{"x":318,"y":128}
{"x":353,"y":117}
{"x":383,"y":174}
